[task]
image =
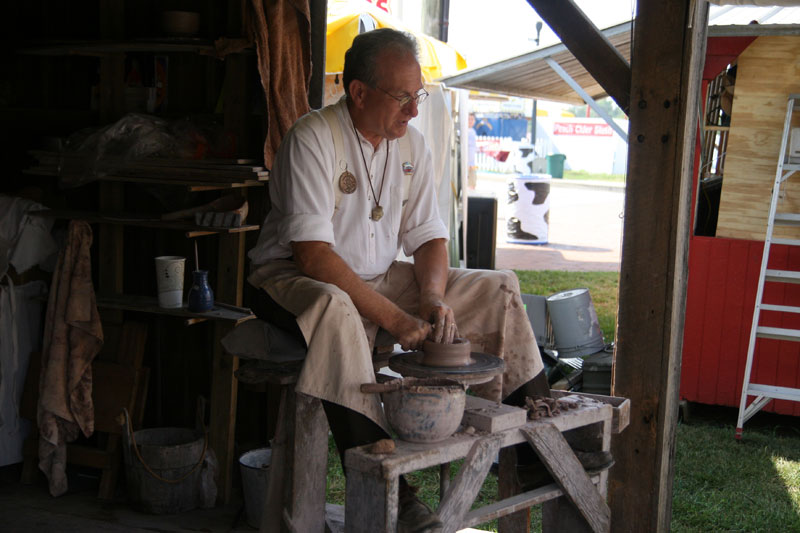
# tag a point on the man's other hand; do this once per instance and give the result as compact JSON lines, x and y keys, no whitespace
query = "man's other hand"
{"x":441,"y":318}
{"x":410,"y":332}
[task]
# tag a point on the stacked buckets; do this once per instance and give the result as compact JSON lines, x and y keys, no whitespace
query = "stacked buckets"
{"x":576,"y":329}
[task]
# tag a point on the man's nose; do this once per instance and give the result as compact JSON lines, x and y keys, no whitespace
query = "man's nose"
{"x":412,"y":109}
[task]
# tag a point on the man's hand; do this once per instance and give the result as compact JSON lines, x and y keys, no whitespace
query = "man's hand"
{"x":441,"y":317}
{"x":430,"y":269}
{"x":410,"y":332}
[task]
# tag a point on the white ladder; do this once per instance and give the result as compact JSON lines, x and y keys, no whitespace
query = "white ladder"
{"x":764,"y":393}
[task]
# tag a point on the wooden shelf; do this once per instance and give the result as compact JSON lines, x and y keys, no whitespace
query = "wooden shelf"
{"x":192,"y":184}
{"x":201,"y":174}
{"x":143,"y":220}
{"x":101,"y":48}
{"x":711,"y":127}
{"x":149,"y":304}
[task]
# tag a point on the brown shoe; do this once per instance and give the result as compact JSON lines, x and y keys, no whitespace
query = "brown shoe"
{"x":413,"y":516}
{"x":535,"y":475}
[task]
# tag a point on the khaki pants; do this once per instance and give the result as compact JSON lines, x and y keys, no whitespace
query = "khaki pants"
{"x":488,"y":311}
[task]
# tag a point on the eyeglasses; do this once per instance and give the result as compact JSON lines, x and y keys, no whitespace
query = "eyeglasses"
{"x":418,"y":98}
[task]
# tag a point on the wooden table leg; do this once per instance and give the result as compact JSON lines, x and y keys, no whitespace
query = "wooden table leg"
{"x":224,"y":387}
{"x":296,"y":490}
{"x":370,"y":503}
{"x":507,"y":486}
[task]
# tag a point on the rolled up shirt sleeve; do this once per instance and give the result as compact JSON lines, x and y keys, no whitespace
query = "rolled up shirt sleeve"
{"x":305,"y":227}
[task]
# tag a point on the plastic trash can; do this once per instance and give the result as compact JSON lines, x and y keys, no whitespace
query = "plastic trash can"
{"x":528,"y":209}
{"x":555,"y":165}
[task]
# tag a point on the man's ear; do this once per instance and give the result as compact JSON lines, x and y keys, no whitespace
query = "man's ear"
{"x":357,"y":92}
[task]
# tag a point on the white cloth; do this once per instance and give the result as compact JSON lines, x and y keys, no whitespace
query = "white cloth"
{"x":302,"y":194}
{"x":25,"y":240}
{"x":487,"y":305}
{"x":21,"y":314}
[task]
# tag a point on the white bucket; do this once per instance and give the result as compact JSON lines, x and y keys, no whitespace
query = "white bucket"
{"x":254,"y":466}
{"x":528,"y":209}
{"x":576,"y":330}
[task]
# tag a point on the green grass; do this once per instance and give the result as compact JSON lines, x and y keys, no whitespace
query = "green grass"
{"x":720,"y":484}
{"x":585,"y":175}
{"x":724,"y":485}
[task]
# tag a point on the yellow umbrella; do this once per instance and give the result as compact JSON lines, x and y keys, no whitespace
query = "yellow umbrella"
{"x":435,"y":57}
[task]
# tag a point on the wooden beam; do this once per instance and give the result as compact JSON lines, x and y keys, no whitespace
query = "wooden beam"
{"x":319,"y":23}
{"x":667,"y":61}
{"x":589,"y":46}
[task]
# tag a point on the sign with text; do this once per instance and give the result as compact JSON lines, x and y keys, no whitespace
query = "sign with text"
{"x":381,"y":4}
{"x":578,"y":128}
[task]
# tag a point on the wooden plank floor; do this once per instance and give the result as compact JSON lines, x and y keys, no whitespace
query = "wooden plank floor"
{"x":31,"y":509}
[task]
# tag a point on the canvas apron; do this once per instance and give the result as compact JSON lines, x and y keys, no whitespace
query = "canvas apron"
{"x":488,"y":311}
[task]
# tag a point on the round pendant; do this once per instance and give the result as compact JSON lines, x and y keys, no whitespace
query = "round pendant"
{"x":347,"y":182}
{"x":377,"y":213}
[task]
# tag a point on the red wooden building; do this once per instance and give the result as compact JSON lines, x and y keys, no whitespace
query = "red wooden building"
{"x":730,"y":221}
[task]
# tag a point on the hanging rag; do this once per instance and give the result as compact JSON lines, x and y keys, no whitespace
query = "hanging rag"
{"x":73,"y":336}
{"x":281,"y":30}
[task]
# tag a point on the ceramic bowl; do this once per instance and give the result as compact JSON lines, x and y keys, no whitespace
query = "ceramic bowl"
{"x":425,"y":410}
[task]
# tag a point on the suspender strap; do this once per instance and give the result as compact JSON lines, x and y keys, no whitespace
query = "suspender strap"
{"x":340,"y":161}
{"x":329,"y":115}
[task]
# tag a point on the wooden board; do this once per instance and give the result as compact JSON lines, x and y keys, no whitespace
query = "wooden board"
{"x":621,"y":416}
{"x":766,"y":75}
{"x":557,"y":455}
{"x":485,"y":415}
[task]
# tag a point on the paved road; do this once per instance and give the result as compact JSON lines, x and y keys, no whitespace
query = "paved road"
{"x":585,"y":232}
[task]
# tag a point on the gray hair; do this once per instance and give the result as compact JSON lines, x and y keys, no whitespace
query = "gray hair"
{"x":361,"y":60}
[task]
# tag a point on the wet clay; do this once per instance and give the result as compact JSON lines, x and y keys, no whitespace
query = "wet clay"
{"x":447,"y":355}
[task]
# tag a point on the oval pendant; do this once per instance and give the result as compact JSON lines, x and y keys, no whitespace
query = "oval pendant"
{"x":347,"y":182}
{"x":377,"y":213}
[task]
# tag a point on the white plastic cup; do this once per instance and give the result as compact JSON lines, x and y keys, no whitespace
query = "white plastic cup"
{"x":169,"y":277}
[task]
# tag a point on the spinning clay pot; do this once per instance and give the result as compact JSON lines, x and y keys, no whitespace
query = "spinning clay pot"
{"x":446,"y":355}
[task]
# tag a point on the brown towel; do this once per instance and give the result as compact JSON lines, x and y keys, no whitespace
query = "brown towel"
{"x":73,"y":336}
{"x":281,"y":30}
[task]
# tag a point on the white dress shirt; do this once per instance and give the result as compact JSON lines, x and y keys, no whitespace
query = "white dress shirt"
{"x":301,"y":188}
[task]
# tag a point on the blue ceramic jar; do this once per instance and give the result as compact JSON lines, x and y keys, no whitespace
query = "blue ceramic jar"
{"x":201,"y":297}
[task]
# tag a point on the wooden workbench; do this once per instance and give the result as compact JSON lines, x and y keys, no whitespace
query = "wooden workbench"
{"x":373,"y":479}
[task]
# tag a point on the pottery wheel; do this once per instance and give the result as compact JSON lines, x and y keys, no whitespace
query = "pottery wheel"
{"x":482,"y":369}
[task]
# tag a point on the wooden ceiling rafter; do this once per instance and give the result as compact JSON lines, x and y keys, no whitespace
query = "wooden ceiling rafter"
{"x":588,"y":44}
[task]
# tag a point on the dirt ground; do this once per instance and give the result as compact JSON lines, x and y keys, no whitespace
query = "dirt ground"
{"x":585,"y":230}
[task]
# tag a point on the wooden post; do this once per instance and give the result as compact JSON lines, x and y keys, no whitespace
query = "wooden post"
{"x":224,"y":386}
{"x":319,"y":23}
{"x":669,"y":47}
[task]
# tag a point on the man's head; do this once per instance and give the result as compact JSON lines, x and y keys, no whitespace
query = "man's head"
{"x":383,"y":83}
{"x":362,"y":60}
{"x":471,"y":119}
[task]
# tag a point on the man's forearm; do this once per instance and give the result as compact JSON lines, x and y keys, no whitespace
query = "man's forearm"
{"x":317,"y":261}
{"x":430,"y":267}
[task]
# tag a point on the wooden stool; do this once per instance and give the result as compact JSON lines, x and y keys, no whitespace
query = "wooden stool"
{"x":295,"y":499}
{"x":578,"y":505}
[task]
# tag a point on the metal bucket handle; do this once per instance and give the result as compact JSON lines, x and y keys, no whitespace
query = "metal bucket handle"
{"x":132,"y":444}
